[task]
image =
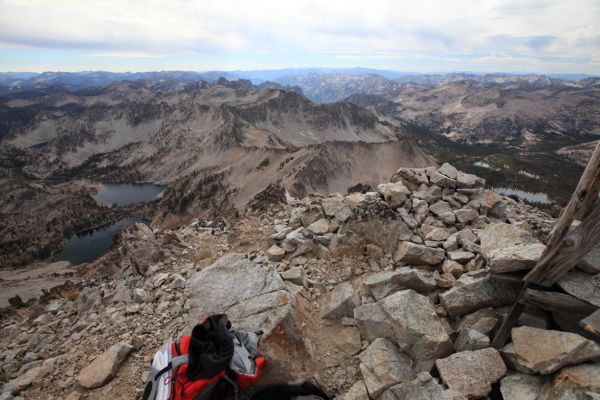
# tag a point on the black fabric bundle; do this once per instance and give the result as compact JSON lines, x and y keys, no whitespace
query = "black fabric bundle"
{"x":290,"y":392}
{"x":211,"y":348}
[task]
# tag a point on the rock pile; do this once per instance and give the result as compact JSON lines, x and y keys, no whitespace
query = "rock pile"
{"x":391,"y":294}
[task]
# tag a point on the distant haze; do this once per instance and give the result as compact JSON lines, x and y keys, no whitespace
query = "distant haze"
{"x":542,"y":36}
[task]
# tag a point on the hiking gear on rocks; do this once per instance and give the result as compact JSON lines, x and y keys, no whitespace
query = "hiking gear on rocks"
{"x":191,"y":368}
{"x":210,"y":348}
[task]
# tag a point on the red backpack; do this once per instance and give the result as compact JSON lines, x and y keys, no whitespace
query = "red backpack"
{"x":192,"y":368}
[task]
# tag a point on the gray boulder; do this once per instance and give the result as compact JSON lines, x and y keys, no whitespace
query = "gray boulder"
{"x":582,"y":285}
{"x":442,"y":180}
{"x":501,"y":236}
{"x":475,"y":290}
{"x":472,"y":373}
{"x":395,"y":194}
{"x":423,"y":387}
{"x":448,"y":170}
{"x":336,"y":208}
{"x":517,"y":386}
{"x":295,"y":275}
{"x":382,"y":365}
{"x":417,"y":328}
{"x":373,"y":322}
{"x":420,"y":210}
{"x":358,"y":391}
{"x":460,"y":256}
{"x":104,"y":367}
{"x":416,"y":254}
{"x":373,"y":222}
{"x":546,"y":351}
{"x":471,"y":339}
{"x":340,"y":302}
{"x":255,"y":297}
{"x":443,"y":211}
{"x":412,"y":178}
{"x":578,"y":382}
{"x":22,"y":382}
{"x":319,"y":227}
{"x":515,"y":258}
{"x":468,"y":181}
{"x":382,"y":284}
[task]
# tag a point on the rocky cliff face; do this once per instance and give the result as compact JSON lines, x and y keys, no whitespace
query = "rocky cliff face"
{"x":386,"y":294}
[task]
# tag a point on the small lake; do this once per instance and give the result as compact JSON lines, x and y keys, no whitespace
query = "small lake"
{"x":89,"y":245}
{"x":124,"y":194}
{"x":541,"y":198}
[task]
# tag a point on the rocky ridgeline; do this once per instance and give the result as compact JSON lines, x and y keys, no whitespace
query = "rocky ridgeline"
{"x":391,"y":294}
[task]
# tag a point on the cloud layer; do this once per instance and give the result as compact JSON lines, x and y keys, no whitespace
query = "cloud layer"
{"x":430,"y":35}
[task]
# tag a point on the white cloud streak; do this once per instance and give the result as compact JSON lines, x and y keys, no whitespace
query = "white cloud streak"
{"x":348,"y":29}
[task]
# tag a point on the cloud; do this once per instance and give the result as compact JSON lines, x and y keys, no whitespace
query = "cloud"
{"x":240,"y":31}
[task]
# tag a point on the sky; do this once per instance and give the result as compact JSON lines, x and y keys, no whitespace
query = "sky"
{"x":201,"y":35}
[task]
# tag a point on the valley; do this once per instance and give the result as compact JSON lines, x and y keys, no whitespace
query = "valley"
{"x":194,"y":148}
{"x":213,"y":146}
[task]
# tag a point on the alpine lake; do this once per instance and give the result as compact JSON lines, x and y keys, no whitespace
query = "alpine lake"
{"x":91,"y":244}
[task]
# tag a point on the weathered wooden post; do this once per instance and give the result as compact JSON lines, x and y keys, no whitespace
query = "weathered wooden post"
{"x":564,"y":249}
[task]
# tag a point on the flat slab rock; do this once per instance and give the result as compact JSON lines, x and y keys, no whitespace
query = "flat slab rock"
{"x":591,"y":261}
{"x":382,"y":365}
{"x":475,"y":290}
{"x":546,"y":351}
{"x":416,"y":254}
{"x":382,"y":284}
{"x":582,"y":285}
{"x":105,"y":366}
{"x":501,"y":236}
{"x":515,"y":258}
{"x":471,"y":373}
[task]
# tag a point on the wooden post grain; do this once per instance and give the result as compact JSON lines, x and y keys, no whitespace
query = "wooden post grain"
{"x":553,"y":301}
{"x":563,"y":250}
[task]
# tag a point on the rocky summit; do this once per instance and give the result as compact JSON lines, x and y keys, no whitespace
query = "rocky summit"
{"x":391,"y":293}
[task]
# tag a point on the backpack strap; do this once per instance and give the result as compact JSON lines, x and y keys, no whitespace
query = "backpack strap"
{"x":175,"y":363}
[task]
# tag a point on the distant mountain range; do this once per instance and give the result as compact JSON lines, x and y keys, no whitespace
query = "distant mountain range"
{"x":78,"y":80}
{"x":165,"y":130}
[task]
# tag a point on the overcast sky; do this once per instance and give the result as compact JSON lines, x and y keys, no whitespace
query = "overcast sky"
{"x":417,"y":35}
